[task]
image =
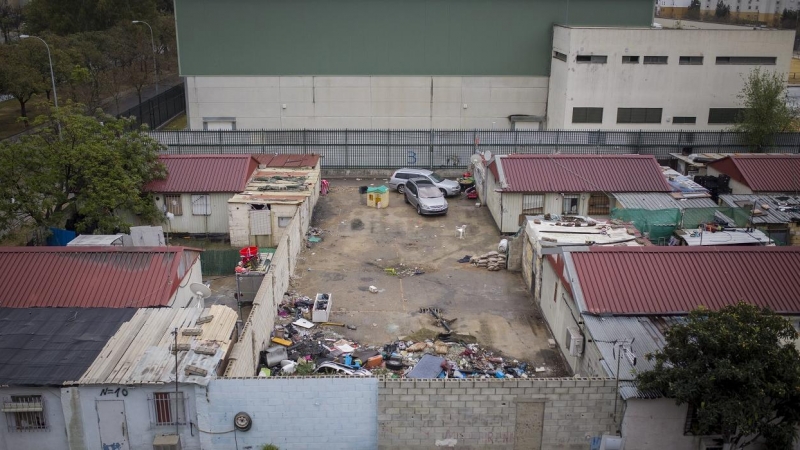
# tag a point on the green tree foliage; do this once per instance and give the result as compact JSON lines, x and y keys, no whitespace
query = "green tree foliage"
{"x":81,"y":181}
{"x":693,"y":12}
{"x":10,"y":19}
{"x":739,"y":368}
{"x":723,"y":11}
{"x":18,"y":76}
{"x":63,"y":17}
{"x":766,"y":110}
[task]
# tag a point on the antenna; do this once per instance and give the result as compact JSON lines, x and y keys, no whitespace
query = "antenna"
{"x":200,"y":289}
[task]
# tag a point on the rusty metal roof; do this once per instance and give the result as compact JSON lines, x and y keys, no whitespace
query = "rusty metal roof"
{"x":581,"y":173}
{"x":103,"y":277}
{"x":204,"y":173}
{"x":48,"y":346}
{"x":288,"y":160}
{"x":676,"y":280}
{"x":762,"y":173}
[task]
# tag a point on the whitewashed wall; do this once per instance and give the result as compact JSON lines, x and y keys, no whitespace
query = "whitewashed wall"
{"x":363,"y":102}
{"x":184,"y":296}
{"x":53,"y":437}
{"x":215,"y":223}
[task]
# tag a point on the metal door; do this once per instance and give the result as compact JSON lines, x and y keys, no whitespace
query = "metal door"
{"x":113,"y":426}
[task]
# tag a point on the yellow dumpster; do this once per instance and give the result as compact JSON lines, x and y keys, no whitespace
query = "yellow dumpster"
{"x":378,"y":197}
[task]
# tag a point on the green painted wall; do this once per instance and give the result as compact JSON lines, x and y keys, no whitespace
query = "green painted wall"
{"x":384,"y":37}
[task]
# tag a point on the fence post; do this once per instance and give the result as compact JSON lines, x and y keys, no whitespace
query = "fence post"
{"x":719,"y":141}
{"x":305,"y":149}
{"x":558,"y":141}
{"x":346,"y":150}
{"x":430,"y":150}
{"x":388,"y":158}
{"x":639,"y":143}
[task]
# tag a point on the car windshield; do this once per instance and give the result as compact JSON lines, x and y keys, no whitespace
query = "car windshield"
{"x":435,"y":177}
{"x":429,"y":192}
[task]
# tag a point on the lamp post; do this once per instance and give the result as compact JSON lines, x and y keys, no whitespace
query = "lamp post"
{"x":153,"y":44}
{"x":52,"y":77}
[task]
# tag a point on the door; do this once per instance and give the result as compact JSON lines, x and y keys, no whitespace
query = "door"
{"x":113,"y":426}
{"x":529,"y":425}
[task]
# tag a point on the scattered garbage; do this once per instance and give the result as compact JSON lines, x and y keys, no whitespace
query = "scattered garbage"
{"x":313,"y":236}
{"x":403,"y":271}
{"x":373,"y":289}
{"x":465,"y":259}
{"x":492,"y":261}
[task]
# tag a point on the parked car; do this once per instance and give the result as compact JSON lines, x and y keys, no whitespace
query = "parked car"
{"x":401,"y":176}
{"x":422,"y":194}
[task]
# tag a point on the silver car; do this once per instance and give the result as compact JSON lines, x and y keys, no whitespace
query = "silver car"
{"x":401,"y":176}
{"x":425,"y":196}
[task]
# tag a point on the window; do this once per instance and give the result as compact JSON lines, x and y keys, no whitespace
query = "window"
{"x":201,"y":205}
{"x":559,"y":56}
{"x":752,"y":60}
{"x":570,"y":204}
{"x":283,"y":222}
{"x":167,"y":409}
{"x":655,"y":59}
{"x":533,"y":204}
{"x":639,"y":115}
{"x":596,"y":59}
{"x":630,"y":60}
{"x":25,"y":413}
{"x":599,"y":204}
{"x":172,"y":204}
{"x":684,"y":119}
{"x":587,"y":115}
{"x":723,"y":115}
{"x":690,"y":60}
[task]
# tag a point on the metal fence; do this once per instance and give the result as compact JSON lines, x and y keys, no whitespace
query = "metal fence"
{"x":384,"y":149}
{"x":158,"y":110}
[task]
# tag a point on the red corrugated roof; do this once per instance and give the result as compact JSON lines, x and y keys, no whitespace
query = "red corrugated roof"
{"x":762,"y":173}
{"x":101,"y":277}
{"x":204,"y":173}
{"x":288,"y":160}
{"x":674,"y":280}
{"x":582,"y":173}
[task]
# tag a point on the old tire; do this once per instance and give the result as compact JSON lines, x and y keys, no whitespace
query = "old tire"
{"x":401,"y":188}
{"x":242,"y":421}
{"x":394,"y":364}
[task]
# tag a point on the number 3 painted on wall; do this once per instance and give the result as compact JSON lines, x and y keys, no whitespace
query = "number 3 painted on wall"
{"x":412,"y":157}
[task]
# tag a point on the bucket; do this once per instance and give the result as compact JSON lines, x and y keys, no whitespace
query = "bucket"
{"x":248,"y":252}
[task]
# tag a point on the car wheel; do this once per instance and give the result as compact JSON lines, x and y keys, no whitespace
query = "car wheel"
{"x":405,"y":199}
{"x":242,"y":421}
{"x":401,"y":188}
{"x":419,"y":210}
{"x":444,"y":193}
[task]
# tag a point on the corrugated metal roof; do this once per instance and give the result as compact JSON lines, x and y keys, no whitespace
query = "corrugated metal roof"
{"x":279,"y":186}
{"x":660,"y":200}
{"x":773,"y":214}
{"x":47,"y":346}
{"x":105,"y":277}
{"x":140,"y":351}
{"x":287,"y":160}
{"x":675,"y":280}
{"x":638,"y":334}
{"x":204,"y":173}
{"x":762,"y":173}
{"x":582,"y":173}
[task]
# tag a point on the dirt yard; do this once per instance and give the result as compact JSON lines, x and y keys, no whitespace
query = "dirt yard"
{"x":359,"y":243}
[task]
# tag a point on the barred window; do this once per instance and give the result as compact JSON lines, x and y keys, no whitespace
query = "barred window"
{"x":626,"y":59}
{"x":25,"y":413}
{"x":201,"y":205}
{"x":166,"y":409}
{"x":533,"y":204}
{"x":172,"y":202}
{"x":570,"y":205}
{"x":599,"y":204}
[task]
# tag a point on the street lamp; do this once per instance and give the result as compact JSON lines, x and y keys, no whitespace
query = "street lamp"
{"x":52,"y":77}
{"x":153,"y":44}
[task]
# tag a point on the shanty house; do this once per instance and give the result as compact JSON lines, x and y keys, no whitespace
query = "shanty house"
{"x":610,"y":306}
{"x":759,"y":173}
{"x":279,"y":188}
{"x":565,"y":185}
{"x":40,"y":350}
{"x":99,"y":277}
{"x":778,"y":216}
{"x":197,"y":189}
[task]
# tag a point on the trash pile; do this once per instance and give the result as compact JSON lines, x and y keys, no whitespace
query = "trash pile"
{"x":492,"y":261}
{"x":313,"y":236}
{"x":300,"y":347}
{"x":403,"y":271}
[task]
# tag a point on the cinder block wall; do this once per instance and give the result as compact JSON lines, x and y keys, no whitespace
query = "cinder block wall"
{"x":529,"y":414}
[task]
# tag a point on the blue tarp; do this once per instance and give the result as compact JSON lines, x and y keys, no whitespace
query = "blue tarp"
{"x":59,"y":237}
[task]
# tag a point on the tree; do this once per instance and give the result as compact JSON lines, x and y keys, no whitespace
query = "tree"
{"x":81,"y":181}
{"x":766,"y":109}
{"x":10,"y":19}
{"x":60,"y":17}
{"x":723,"y":11}
{"x":18,"y":77}
{"x":693,"y":12}
{"x":739,"y":368}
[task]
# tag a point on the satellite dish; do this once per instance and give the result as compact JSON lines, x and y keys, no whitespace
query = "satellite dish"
{"x":475,"y":160}
{"x":200,"y":289}
{"x":487,"y":155}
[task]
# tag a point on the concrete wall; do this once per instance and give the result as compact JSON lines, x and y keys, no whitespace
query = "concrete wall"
{"x":364,"y":102}
{"x":53,"y":437}
{"x":656,"y":424}
{"x":736,"y":186}
{"x":292,"y":413}
{"x":184,"y":296}
{"x":215,"y":223}
{"x":680,"y":90}
{"x":560,"y":312}
{"x":138,"y":414}
{"x":521,"y":414}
